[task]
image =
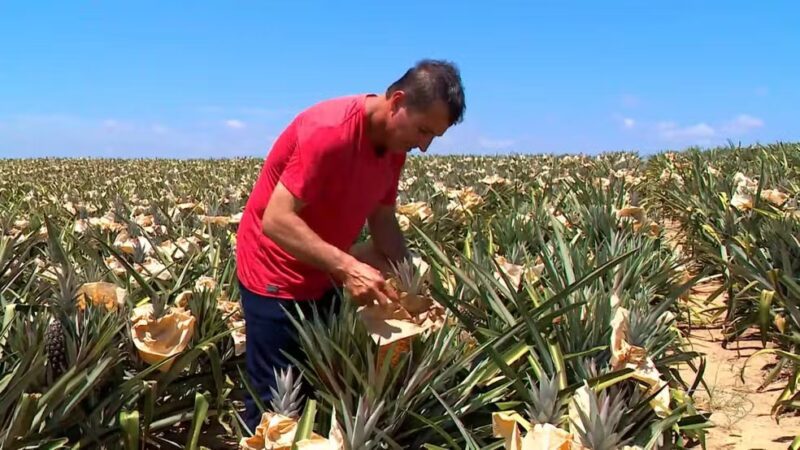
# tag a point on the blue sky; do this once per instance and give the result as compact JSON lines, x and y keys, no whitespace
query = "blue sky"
{"x":220,"y":79}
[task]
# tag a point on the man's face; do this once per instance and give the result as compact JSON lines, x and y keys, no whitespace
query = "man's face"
{"x":409,"y":128}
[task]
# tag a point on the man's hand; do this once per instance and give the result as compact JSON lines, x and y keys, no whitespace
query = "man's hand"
{"x":366,"y":284}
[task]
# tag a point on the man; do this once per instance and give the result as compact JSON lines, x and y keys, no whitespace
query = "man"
{"x":333,"y":169}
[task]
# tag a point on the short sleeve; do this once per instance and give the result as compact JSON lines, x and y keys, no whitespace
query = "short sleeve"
{"x":317,"y":155}
{"x":398,"y":161}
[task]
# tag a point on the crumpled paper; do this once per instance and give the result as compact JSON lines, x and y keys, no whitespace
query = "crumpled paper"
{"x":746,"y":189}
{"x":276,"y":432}
{"x":639,"y":218}
{"x":235,"y":321}
{"x":540,"y":437}
{"x":494,"y":180}
{"x":625,"y":355}
{"x":232,"y":311}
{"x":516,"y":272}
{"x":580,"y":401}
{"x":159,"y":339}
{"x":417,"y":210}
{"x":394,"y":326}
{"x":127,"y":244}
{"x":102,"y":293}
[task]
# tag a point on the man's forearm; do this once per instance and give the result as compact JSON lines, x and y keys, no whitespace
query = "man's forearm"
{"x":292,"y":234}
{"x":393,"y":247}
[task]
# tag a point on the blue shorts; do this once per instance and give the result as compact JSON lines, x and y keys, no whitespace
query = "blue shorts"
{"x":270,"y":333}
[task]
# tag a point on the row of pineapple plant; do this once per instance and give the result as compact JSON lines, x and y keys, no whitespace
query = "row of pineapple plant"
{"x":738,"y":209}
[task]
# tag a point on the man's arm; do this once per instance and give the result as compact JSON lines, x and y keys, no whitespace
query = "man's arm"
{"x":387,"y":236}
{"x":282,"y":224}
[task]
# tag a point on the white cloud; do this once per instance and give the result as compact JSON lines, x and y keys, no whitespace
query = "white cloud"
{"x":249,"y":112}
{"x":75,"y":136}
{"x":628,"y":123}
{"x":705,"y":133}
{"x":495,"y":144}
{"x":742,"y":124}
{"x":234,"y":124}
{"x":469,"y":138}
{"x":698,"y":133}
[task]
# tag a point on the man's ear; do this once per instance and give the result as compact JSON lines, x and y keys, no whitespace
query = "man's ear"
{"x":396,"y":100}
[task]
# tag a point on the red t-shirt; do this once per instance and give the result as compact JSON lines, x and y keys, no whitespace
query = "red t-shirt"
{"x":324,"y":158}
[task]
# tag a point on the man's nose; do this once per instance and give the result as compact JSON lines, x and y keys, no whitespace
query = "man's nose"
{"x":425,"y":144}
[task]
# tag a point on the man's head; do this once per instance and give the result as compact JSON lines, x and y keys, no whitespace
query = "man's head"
{"x":423,"y":104}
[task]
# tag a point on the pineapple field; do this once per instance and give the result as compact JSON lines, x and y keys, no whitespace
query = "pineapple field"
{"x":550,"y":304}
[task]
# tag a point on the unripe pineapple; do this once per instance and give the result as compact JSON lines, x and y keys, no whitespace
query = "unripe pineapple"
{"x":62,"y":310}
{"x":56,"y":346}
{"x":410,"y":282}
{"x":597,"y":419}
{"x":546,"y":407}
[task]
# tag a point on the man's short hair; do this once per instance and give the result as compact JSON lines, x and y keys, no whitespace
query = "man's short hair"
{"x":430,"y":80}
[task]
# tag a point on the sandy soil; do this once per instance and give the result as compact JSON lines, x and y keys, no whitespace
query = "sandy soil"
{"x":740,"y":411}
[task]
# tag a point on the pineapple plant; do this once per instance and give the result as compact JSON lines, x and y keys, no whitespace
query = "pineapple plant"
{"x":529,"y":258}
{"x":63,"y":316}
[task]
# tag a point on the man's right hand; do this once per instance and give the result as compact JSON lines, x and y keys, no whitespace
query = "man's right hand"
{"x":366,"y":284}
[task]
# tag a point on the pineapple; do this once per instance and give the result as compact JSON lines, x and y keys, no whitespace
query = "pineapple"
{"x":546,"y":407}
{"x":410,"y":283}
{"x":56,"y":347}
{"x":286,"y":399}
{"x":596,"y":419}
{"x":62,"y":309}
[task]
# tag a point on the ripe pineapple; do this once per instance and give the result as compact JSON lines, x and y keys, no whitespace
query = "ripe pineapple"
{"x":286,"y":399}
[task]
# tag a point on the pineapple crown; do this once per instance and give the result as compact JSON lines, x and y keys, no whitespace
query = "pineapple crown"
{"x":546,"y":406}
{"x":139,"y":251}
{"x":286,"y":398}
{"x":409,"y":278}
{"x":68,"y":286}
{"x":597,"y":419}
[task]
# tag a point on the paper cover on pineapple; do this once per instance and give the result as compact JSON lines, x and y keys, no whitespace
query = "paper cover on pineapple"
{"x":625,"y":355}
{"x":413,"y":312}
{"x":277,"y":432}
{"x":231,"y":310}
{"x":387,"y":324}
{"x":102,"y":293}
{"x":540,"y":437}
{"x":157,"y":339}
{"x":746,"y":189}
